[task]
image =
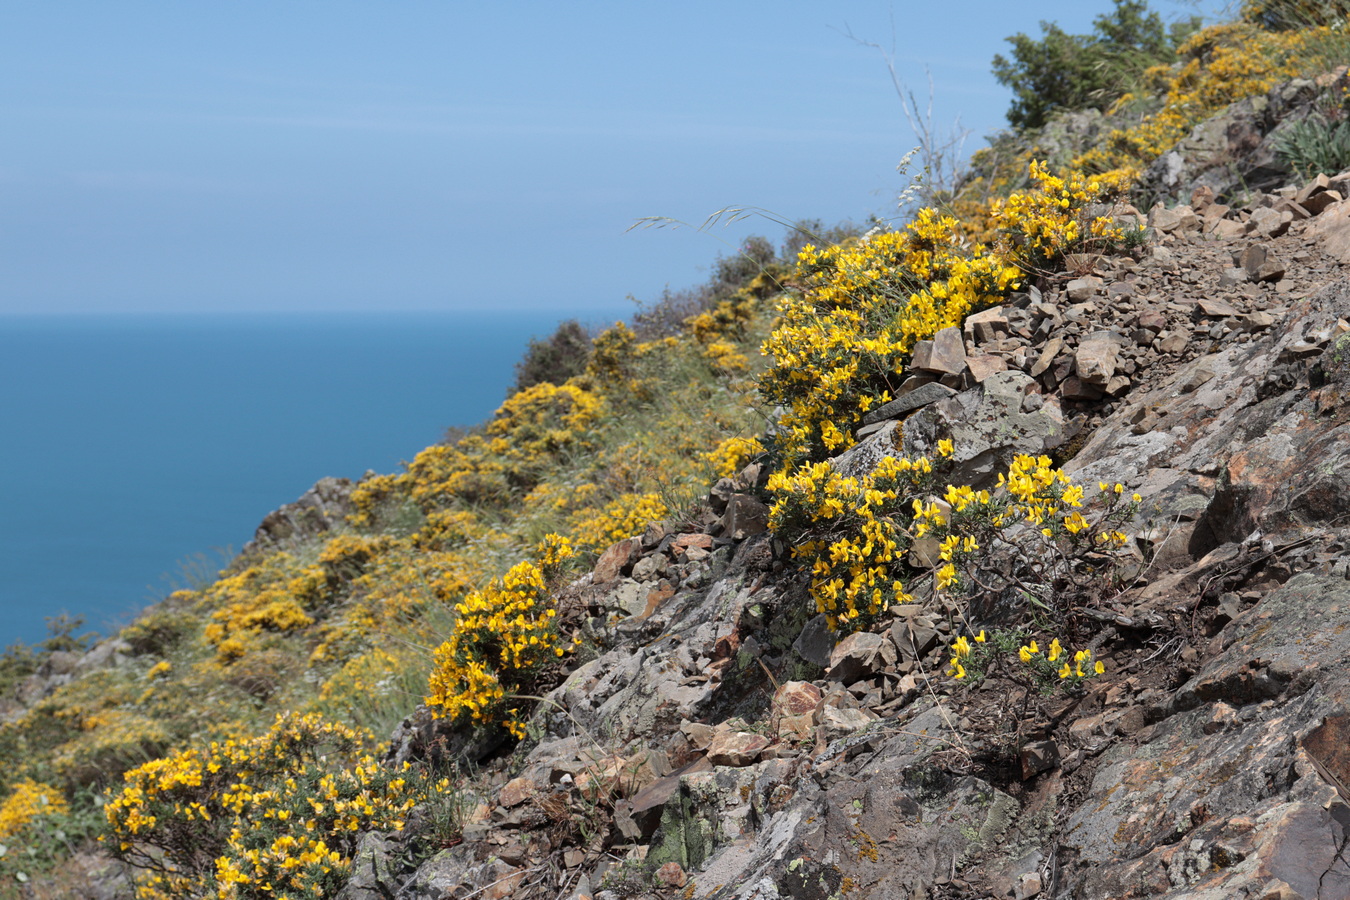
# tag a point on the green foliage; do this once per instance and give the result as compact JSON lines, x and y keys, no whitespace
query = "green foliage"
{"x":1081,"y":71}
{"x":1316,"y":144}
{"x":1287,"y":15}
{"x":17,"y":662}
{"x":554,"y":359}
{"x":61,"y":635}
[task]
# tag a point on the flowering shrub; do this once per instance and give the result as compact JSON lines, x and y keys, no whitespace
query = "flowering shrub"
{"x":275,"y":595}
{"x":733,"y":454}
{"x":1220,"y":65}
{"x":29,"y":800}
{"x":1039,"y":515}
{"x":993,"y":653}
{"x":274,"y":816}
{"x":1044,"y":224}
{"x":503,"y":634}
{"x":843,"y":341}
{"x":854,"y":533}
{"x":595,"y":529}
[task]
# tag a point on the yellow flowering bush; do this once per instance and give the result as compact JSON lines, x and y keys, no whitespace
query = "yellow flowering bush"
{"x":274,"y":816}
{"x":843,"y":341}
{"x":733,"y":454}
{"x":503,"y":635}
{"x":992,"y":653}
{"x":595,"y":529}
{"x":1044,"y":224}
{"x":275,"y":595}
{"x":853,"y":533}
{"x":1219,"y":65}
{"x":29,"y":800}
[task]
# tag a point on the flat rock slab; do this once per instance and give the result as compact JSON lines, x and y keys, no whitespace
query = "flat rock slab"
{"x":919,"y":397}
{"x":1220,"y":792}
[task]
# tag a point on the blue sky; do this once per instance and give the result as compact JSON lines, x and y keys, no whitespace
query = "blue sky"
{"x":248,"y":156}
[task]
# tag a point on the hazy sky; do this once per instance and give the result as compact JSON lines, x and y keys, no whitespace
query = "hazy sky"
{"x":441,"y":155}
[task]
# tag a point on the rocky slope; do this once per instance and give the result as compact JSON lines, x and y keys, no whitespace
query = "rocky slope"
{"x":723,"y":744}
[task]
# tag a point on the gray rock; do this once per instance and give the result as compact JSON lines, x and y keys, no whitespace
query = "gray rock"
{"x":374,"y":871}
{"x":816,"y":642}
{"x":1096,"y":358}
{"x":860,"y":655}
{"x":920,"y":396}
{"x":987,"y":426}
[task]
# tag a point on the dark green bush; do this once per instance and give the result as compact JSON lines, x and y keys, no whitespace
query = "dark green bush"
{"x":554,"y":359}
{"x":1082,"y":71}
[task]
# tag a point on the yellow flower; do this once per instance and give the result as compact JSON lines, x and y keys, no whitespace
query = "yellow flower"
{"x":1055,"y":650}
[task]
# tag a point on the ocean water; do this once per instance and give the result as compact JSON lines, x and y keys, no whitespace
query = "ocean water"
{"x":137,"y":451}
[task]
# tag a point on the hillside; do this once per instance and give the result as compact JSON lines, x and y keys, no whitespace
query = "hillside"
{"x":1003,"y":554}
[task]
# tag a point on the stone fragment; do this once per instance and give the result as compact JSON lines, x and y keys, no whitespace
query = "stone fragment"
{"x":1320,"y":184}
{"x":1075,"y":388}
{"x":1202,"y":198}
{"x":914,"y":636}
{"x":1233,"y":277}
{"x":1152,"y":320}
{"x":719,"y":494}
{"x":796,"y":698}
{"x":945,"y":354}
{"x":816,"y":642}
{"x":696,"y":540}
{"x":1271,"y":270}
{"x":1254,"y":321}
{"x":1028,"y":886}
{"x":745,"y":516}
{"x":835,"y":722}
{"x":1227,"y":229}
{"x":987,"y":325}
{"x":1096,"y":358}
{"x":651,"y":567}
{"x":1117,"y":385}
{"x":616,"y":559}
{"x":698,"y":734}
{"x":859,"y":656}
{"x":671,"y":875}
{"x":1319,"y":203}
{"x":1037,"y":757}
{"x":735,"y":748}
{"x":923,"y":395}
{"x":1174,"y":343}
{"x":1268,"y":222}
{"x":515,"y":792}
{"x":1048,"y":354}
{"x":981,"y":367}
{"x":1215,"y":308}
{"x":1169,"y":221}
{"x":1081,"y":289}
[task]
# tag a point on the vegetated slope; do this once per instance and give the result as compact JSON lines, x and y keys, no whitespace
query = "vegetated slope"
{"x":999,"y":597}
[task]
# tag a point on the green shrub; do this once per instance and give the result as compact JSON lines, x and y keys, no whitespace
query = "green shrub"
{"x":554,"y":359}
{"x":1316,"y":145}
{"x":1081,"y":71}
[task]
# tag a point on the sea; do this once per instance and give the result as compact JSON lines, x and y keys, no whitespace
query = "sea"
{"x":138,"y":453}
